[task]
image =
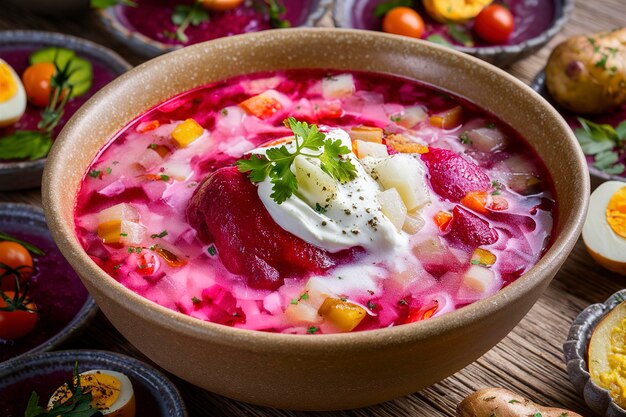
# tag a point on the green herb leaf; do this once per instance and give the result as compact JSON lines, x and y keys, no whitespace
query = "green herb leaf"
{"x":603,"y":142}
{"x":30,"y":247}
{"x":436,"y":38}
{"x":605,"y":159}
{"x":103,"y":4}
{"x":460,"y":34}
{"x":384,"y":7}
{"x":312,"y":330}
{"x":620,"y":131}
{"x":160,"y":235}
{"x":333,"y":164}
{"x":276,"y":9}
{"x":185,"y":15}
{"x":25,"y":144}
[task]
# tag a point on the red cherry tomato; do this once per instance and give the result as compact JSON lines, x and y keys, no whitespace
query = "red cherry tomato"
{"x":494,"y":24}
{"x":403,"y":21}
{"x":14,"y":256}
{"x":18,"y":323}
{"x":36,"y":81}
{"x":220,"y":5}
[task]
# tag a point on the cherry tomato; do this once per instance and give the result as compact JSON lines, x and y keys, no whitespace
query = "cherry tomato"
{"x":18,"y":323}
{"x":494,"y":24}
{"x":14,"y":256}
{"x":220,"y":5}
{"x":36,"y":81}
{"x":404,"y":21}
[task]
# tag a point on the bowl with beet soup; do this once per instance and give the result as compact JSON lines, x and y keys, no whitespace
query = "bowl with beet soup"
{"x":277,"y":224}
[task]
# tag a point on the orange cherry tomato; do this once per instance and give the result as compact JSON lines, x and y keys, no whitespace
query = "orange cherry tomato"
{"x":494,"y":24}
{"x":221,"y":5}
{"x":14,"y":256}
{"x":404,"y":21}
{"x":18,"y":323}
{"x":36,"y":81}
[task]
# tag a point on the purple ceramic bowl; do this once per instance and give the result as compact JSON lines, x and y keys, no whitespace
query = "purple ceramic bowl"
{"x":64,"y":305}
{"x":155,"y":395}
{"x":536,"y":23}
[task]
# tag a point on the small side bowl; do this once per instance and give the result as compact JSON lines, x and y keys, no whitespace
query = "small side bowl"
{"x":114,"y":22}
{"x":575,"y":351}
{"x":500,"y":55}
{"x":31,"y":219}
{"x":155,"y":395}
{"x":21,"y":175}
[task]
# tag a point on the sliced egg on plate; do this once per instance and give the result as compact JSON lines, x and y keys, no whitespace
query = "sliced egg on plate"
{"x":111,"y":391}
{"x":604,"y":232}
{"x":12,"y":95}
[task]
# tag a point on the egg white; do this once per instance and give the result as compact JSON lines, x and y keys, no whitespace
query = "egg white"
{"x":13,"y":109}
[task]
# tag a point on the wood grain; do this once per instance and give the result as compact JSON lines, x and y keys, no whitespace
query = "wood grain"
{"x":528,"y":361}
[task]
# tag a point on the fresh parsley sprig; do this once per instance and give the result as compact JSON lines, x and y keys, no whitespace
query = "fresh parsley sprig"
{"x":605,"y":143}
{"x":276,"y":9}
{"x":185,"y":15}
{"x":276,"y":163}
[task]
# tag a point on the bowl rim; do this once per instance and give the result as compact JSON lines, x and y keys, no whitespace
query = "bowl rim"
{"x":370,"y":340}
{"x":83,"y":317}
{"x":18,"y":37}
{"x":147,"y":46}
{"x":146,"y":374}
{"x":565,"y":7}
{"x":539,"y":85}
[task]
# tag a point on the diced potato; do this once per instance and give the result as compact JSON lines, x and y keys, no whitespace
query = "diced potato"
{"x":375,"y":150}
{"x":149,"y":159}
{"x":305,"y":308}
{"x":262,"y":105}
{"x":403,"y":145}
{"x":486,"y":139}
{"x":177,"y":170}
{"x":314,"y":185}
{"x":448,"y":119}
{"x":432,"y":249}
{"x":483,"y":257}
{"x":187,"y":132}
{"x":392,"y":206}
{"x":366,"y":134}
{"x":411,"y":116}
{"x":407,"y":176}
{"x":119,"y":212}
{"x":303,"y":313}
{"x":343,"y":314}
{"x":338,"y":86}
{"x":413,"y":223}
{"x":479,"y":279}
{"x":120,"y":224}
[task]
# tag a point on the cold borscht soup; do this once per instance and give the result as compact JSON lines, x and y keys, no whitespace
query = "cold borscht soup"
{"x":313,"y":202}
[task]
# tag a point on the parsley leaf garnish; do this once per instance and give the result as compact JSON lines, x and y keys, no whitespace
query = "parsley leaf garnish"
{"x":159,"y":235}
{"x":436,"y":38}
{"x":276,"y":9}
{"x":459,"y":34}
{"x":276,"y":163}
{"x":25,"y":144}
{"x":185,"y":15}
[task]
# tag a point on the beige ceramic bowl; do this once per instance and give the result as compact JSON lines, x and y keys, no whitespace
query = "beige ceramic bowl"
{"x":325,"y":371}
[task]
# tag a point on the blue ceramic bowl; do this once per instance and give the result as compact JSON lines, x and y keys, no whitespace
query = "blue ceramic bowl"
{"x":155,"y":395}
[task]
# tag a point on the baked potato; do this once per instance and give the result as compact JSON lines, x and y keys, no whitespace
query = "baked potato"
{"x":489,"y":402}
{"x":587,"y":74}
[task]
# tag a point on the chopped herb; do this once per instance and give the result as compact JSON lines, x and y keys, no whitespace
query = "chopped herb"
{"x":490,"y":125}
{"x":312,"y":330}
{"x":224,"y":112}
{"x":514,"y":402}
{"x":109,"y":170}
{"x":275,"y":11}
{"x":319,"y":208}
{"x":438,"y":39}
{"x":402,"y":302}
{"x":475,"y":262}
{"x":304,"y":296}
{"x":152,"y":146}
{"x":489,"y":398}
{"x":371,"y":305}
{"x":294,"y":301}
{"x":602,"y":62}
{"x":395,"y":118}
{"x":164,"y":177}
{"x":212,"y":251}
{"x":384,"y":7}
{"x":563,"y":414}
{"x":459,"y":34}
{"x":185,"y":15}
{"x":276,"y":163}
{"x":160,"y":235}
{"x":124,"y":234}
{"x":116,"y":267}
{"x":464,"y":138}
{"x":94,"y":173}
{"x":497,"y":187}
{"x":136,"y":249}
{"x":537,"y":414}
{"x":344,"y":299}
{"x":195,"y":300}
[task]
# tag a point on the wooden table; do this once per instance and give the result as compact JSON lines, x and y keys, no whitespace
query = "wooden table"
{"x":528,"y":361}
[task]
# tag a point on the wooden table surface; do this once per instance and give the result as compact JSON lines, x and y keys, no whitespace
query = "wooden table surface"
{"x":528,"y":361}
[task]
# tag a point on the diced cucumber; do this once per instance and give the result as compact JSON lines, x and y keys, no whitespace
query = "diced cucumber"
{"x":81,"y":69}
{"x":60,"y":55}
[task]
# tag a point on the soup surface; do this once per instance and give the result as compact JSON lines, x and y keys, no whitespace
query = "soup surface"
{"x":380,"y":201}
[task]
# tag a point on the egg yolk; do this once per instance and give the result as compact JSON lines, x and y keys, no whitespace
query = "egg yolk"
{"x":104,"y":390}
{"x":7,"y":83}
{"x":616,"y":212}
{"x":615,"y":379}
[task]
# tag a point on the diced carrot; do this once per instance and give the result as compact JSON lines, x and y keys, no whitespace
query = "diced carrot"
{"x":442,"y":220}
{"x":261,"y":106}
{"x":448,"y":119}
{"x":403,"y":145}
{"x":476,"y":200}
{"x":187,"y":132}
{"x":366,"y":134}
{"x":422,"y":313}
{"x":147,"y":126}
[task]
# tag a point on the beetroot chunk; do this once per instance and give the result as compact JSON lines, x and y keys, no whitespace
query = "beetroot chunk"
{"x":470,"y":230}
{"x":452,"y":176}
{"x":226,"y":210}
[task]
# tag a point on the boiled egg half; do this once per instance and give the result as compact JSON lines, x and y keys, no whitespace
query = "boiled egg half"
{"x":12,"y":95}
{"x":111,"y":391}
{"x":604,"y":232}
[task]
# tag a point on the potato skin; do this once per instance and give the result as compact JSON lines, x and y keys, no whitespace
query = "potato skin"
{"x":587,"y":74}
{"x":500,"y":402}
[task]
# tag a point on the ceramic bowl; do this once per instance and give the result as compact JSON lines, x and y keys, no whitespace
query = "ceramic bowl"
{"x":597,"y":176}
{"x":575,"y":351}
{"x":155,"y":395}
{"x":359,"y":14}
{"x":326,"y":371}
{"x":114,"y":20}
{"x":48,"y":289}
{"x":27,"y":174}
